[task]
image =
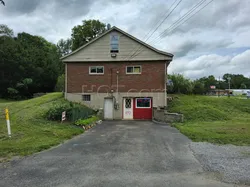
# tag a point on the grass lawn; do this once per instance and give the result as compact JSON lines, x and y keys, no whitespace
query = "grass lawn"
{"x":219,"y":120}
{"x":30,"y":131}
{"x":5,"y":101}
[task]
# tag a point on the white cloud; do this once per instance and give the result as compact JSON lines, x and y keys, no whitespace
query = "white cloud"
{"x":211,"y":42}
{"x":243,"y":58}
{"x":212,"y":64}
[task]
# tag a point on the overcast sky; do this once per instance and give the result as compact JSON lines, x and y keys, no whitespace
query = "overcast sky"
{"x":214,"y":41}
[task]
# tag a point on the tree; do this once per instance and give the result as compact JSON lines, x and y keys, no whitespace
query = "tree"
{"x":9,"y":55}
{"x":243,"y":86}
{"x":199,"y":87}
{"x":5,"y":30}
{"x":60,"y":85}
{"x":64,"y":46}
{"x":226,"y":76}
{"x":41,"y":61}
{"x":209,"y":81}
{"x":21,"y":89}
{"x":237,"y":81}
{"x":180,"y":84}
{"x":82,"y":34}
{"x":28,"y":64}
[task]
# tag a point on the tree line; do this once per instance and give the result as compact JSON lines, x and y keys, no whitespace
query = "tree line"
{"x":30,"y":64}
{"x":80,"y":35}
{"x":177,"y":83}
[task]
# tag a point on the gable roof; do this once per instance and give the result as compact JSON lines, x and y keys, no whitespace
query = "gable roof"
{"x":126,"y":34}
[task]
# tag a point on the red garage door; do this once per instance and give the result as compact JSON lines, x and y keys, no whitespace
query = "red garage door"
{"x":142,"y":108}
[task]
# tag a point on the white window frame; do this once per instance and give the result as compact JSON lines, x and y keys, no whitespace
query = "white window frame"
{"x":96,"y":72}
{"x":133,"y":69}
{"x":86,"y":95}
{"x":143,"y":98}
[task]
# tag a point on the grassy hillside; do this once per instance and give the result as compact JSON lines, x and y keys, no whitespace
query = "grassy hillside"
{"x":214,"y":119}
{"x":30,"y":131}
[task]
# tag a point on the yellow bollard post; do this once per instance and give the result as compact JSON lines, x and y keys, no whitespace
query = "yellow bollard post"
{"x":8,"y":121}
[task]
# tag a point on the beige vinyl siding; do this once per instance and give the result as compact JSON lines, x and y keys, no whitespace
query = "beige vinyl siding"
{"x":100,"y":51}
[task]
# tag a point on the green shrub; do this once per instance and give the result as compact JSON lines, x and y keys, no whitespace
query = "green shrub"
{"x":74,"y":111}
{"x":60,"y":83}
{"x":55,"y":112}
{"x":84,"y":122}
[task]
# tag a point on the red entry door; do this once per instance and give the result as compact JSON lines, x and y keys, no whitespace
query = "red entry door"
{"x":143,"y":108}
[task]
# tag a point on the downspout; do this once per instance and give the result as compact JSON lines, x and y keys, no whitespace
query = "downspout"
{"x":66,"y":77}
{"x":117,"y":90}
{"x":165,"y":85}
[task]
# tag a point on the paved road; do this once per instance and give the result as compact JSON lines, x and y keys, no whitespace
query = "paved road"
{"x":115,"y":153}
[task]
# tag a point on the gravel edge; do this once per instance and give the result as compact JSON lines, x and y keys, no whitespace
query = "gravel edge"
{"x":230,"y":163}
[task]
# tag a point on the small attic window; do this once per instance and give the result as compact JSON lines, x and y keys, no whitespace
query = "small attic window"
{"x":114,"y":43}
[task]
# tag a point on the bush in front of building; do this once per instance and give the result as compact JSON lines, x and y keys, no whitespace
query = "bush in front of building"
{"x":88,"y":121}
{"x":74,"y":111}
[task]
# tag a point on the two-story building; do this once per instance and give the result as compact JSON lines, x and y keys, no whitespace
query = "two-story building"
{"x":118,"y":73}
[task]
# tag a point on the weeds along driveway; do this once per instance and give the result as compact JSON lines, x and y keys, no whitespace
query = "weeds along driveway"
{"x":115,"y":153}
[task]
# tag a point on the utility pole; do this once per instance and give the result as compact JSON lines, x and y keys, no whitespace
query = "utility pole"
{"x":219,"y":88}
{"x":229,"y":79}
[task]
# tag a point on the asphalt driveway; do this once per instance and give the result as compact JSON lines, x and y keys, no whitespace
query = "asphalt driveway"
{"x":115,"y":153}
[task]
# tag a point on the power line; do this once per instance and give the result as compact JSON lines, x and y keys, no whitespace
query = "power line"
{"x":188,"y":12}
{"x":163,"y":15}
{"x":193,"y":9}
{"x":164,"y":19}
{"x":184,"y":21}
{"x":171,"y":28}
{"x":159,"y":24}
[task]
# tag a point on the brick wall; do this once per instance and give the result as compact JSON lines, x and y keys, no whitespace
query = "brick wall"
{"x":150,"y":80}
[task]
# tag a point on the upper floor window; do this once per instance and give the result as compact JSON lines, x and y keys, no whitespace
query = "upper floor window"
{"x":133,"y":70}
{"x":96,"y":70}
{"x":114,"y":43}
